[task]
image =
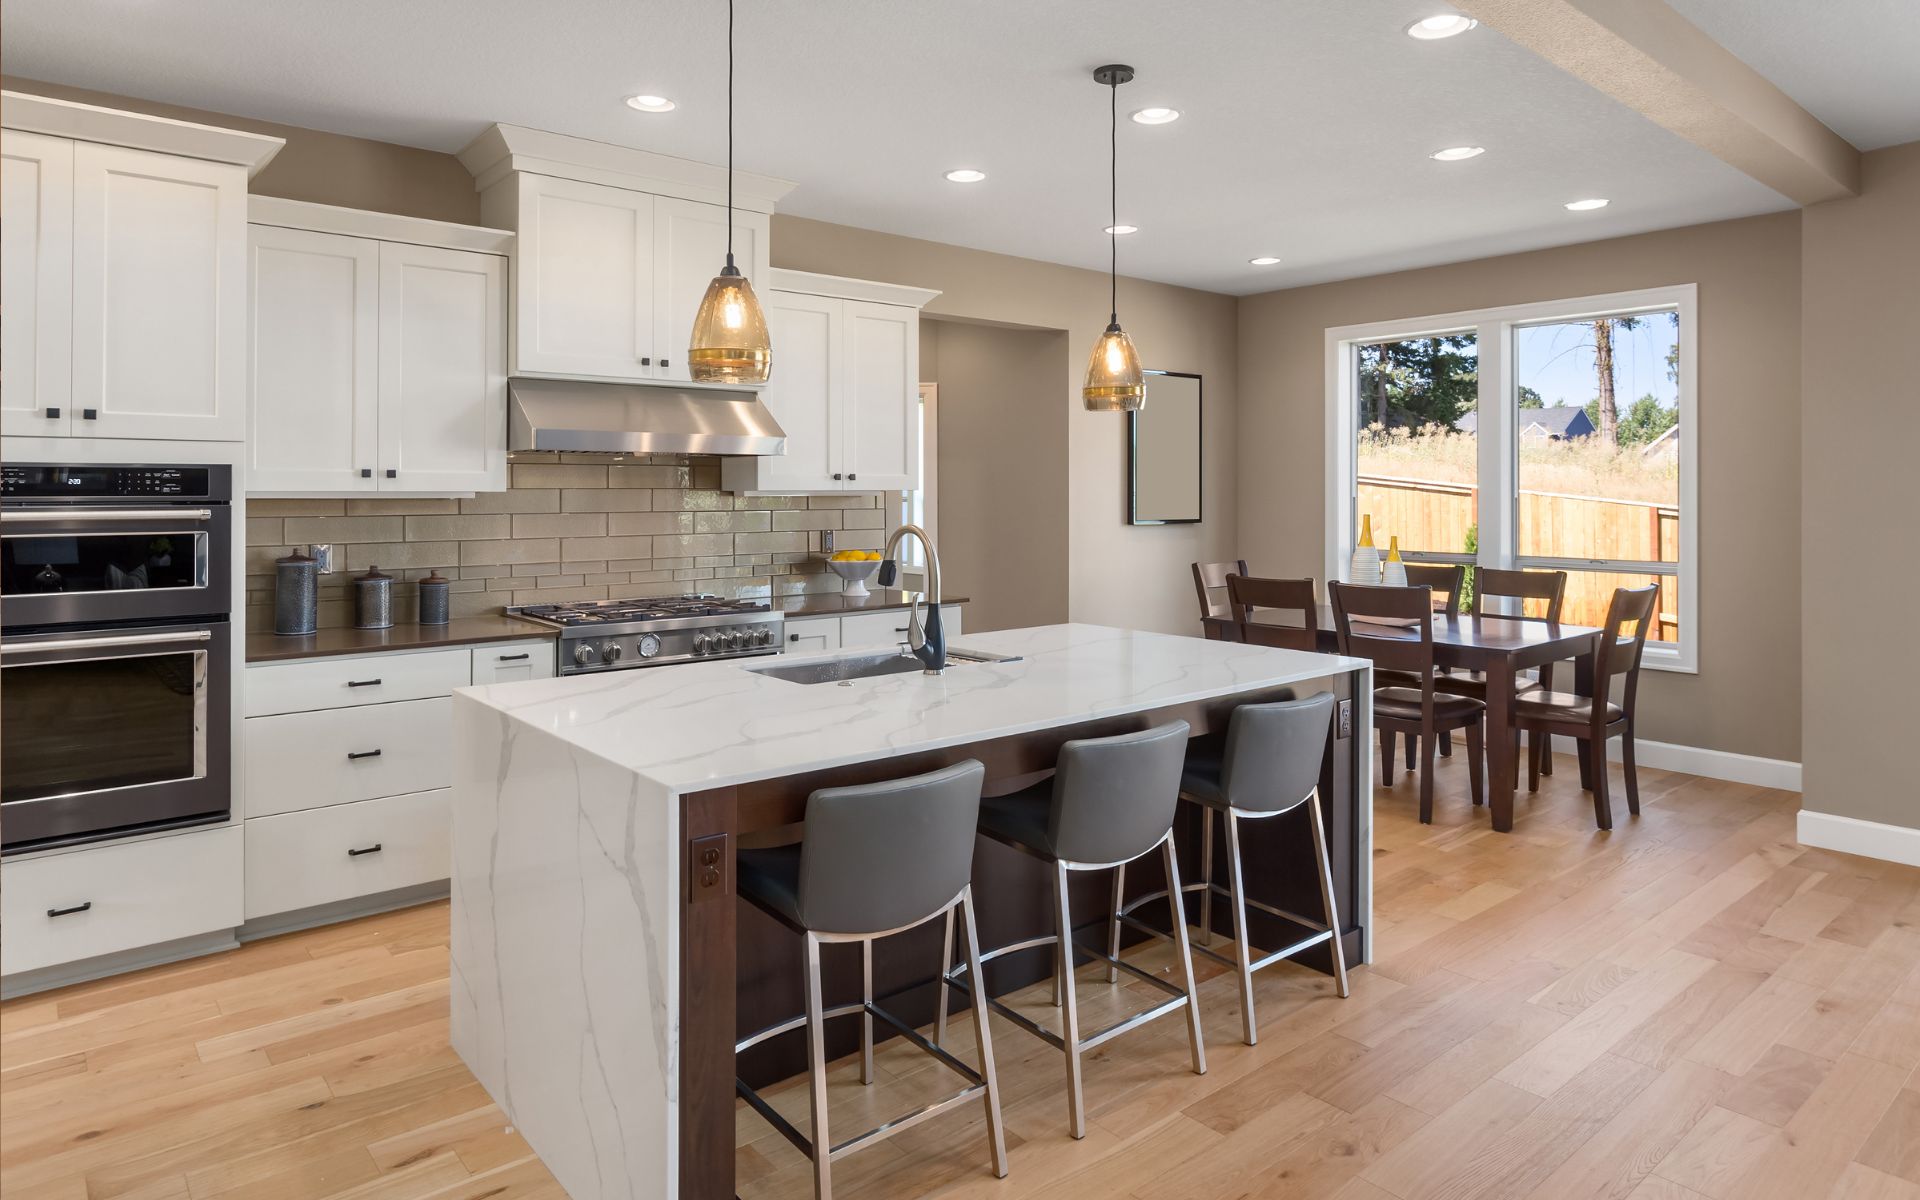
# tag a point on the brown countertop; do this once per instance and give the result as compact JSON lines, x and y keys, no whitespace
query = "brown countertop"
{"x":833,"y":604}
{"x":461,"y":631}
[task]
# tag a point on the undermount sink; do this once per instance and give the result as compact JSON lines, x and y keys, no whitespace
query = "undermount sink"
{"x":867,"y":666}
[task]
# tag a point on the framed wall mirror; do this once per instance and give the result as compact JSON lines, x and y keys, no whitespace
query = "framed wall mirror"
{"x":1163,"y":452}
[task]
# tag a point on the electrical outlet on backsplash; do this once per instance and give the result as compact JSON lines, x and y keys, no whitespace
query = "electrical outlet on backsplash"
{"x":570,"y":527}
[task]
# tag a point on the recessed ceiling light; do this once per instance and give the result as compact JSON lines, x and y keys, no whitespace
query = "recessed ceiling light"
{"x":1585,"y":205}
{"x":1156,"y":116}
{"x":652,"y":104}
{"x":1265,"y":260}
{"x":1446,"y":25}
{"x":965,"y":175}
{"x":1458,"y":153}
{"x":1121,"y":229}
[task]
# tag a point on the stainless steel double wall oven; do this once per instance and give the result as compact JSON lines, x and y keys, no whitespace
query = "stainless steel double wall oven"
{"x":116,"y":644}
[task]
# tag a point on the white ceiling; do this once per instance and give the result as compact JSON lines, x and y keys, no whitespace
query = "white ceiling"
{"x":1306,"y":129}
{"x":1854,"y":64}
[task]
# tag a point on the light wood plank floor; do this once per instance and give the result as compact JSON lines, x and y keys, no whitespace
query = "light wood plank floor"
{"x":1692,"y":1006}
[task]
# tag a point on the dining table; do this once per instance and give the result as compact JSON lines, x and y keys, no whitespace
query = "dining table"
{"x":1499,"y":648}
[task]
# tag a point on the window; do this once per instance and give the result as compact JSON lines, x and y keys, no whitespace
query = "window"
{"x":1551,"y":436}
{"x":916,"y":506}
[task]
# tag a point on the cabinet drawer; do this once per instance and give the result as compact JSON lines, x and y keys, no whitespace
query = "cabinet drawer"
{"x":302,"y":859}
{"x":887,"y":628}
{"x":510,"y":662}
{"x":338,"y":682}
{"x":314,"y":759}
{"x":130,"y":895}
{"x":813,"y":636}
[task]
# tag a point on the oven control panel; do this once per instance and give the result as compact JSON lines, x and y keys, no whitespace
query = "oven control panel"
{"x":46,"y":482}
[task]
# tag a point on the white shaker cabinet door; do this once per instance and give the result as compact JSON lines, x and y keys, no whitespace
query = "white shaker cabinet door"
{"x":313,"y":361}
{"x":584,"y":280}
{"x":690,"y":248}
{"x":159,"y":296}
{"x":806,"y":338}
{"x":512,"y":662}
{"x":880,"y":448}
{"x":443,"y":370}
{"x":36,"y":284}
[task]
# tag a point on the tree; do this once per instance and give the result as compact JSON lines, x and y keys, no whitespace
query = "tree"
{"x":1607,"y":424}
{"x":1530,"y":398}
{"x":1647,"y":420}
{"x":1424,"y":380}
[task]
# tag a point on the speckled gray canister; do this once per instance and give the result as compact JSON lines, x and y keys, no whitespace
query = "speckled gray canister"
{"x":296,"y":594}
{"x":436,"y":599}
{"x":373,"y":600}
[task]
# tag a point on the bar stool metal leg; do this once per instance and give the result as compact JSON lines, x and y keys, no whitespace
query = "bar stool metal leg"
{"x":1186,"y":953}
{"x":982,"y":1033}
{"x":1063,"y":967}
{"x":946,"y":965}
{"x":1206,"y":877}
{"x":1113,"y":925}
{"x":1326,"y":893}
{"x":1243,"y":945}
{"x":817,"y":1062}
{"x":866,"y":1012}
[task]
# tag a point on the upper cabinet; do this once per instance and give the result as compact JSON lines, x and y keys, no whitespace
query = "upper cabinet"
{"x":845,"y":387}
{"x":378,"y":357}
{"x":614,"y":251}
{"x":124,"y":273}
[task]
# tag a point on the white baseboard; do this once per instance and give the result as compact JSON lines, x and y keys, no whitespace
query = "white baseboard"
{"x":1868,"y":839}
{"x":1712,"y":764}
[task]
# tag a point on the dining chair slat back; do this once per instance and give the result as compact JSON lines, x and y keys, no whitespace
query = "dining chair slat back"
{"x":1400,"y":646}
{"x":1447,"y":581}
{"x":1295,"y":597}
{"x":1550,"y":587}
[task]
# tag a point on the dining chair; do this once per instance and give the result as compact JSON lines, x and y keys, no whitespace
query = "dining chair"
{"x":1447,"y":580}
{"x":1594,"y":719}
{"x":1548,"y":587}
{"x":1403,"y":642}
{"x":1209,"y":578}
{"x":1296,"y":596}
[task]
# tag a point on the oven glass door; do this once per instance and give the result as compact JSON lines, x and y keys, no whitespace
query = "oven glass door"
{"x":61,"y":567}
{"x":111,"y":730}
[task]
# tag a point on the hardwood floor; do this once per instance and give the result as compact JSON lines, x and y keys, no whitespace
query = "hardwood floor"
{"x":1691,"y":1006}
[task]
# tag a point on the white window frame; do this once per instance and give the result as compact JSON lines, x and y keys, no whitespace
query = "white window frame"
{"x":913,"y":568}
{"x":1499,"y":449}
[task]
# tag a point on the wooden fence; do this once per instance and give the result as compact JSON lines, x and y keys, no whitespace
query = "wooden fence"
{"x":1442,"y":518}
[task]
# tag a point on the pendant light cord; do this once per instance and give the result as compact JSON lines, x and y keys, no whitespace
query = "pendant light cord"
{"x":1113,"y":198}
{"x":729,"y":132}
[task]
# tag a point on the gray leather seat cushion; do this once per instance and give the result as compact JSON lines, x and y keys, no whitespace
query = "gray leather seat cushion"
{"x":771,"y":879}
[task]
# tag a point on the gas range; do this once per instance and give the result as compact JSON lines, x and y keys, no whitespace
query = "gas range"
{"x":611,"y":635}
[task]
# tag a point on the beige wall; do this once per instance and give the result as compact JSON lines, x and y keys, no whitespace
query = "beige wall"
{"x":325,"y":168}
{"x":1861,"y":274}
{"x":1117,"y":574}
{"x":1003,"y":499}
{"x":1745,"y":697}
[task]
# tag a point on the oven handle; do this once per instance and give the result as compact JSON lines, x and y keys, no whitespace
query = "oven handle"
{"x":146,"y":639}
{"x":106,"y":514}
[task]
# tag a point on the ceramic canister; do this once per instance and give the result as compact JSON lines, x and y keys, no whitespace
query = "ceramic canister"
{"x":436,"y":599}
{"x":296,"y":594}
{"x":373,"y":600}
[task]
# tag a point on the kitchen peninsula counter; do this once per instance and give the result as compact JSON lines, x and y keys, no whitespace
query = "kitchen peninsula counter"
{"x":597,"y":941}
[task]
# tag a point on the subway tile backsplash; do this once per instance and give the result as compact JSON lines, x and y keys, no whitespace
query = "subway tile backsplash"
{"x":571,"y":527}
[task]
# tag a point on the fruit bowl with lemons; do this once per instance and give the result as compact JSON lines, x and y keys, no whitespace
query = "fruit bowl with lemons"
{"x":854,"y":566}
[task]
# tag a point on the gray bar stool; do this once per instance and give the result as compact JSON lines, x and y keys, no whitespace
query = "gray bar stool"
{"x":1269,"y":764}
{"x":1110,"y":801}
{"x":874,"y":860}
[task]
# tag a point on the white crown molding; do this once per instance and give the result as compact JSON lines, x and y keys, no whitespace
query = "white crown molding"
{"x":507,"y":148}
{"x":111,"y":126}
{"x":385,"y":227}
{"x":812,"y":283}
{"x":1868,"y":839}
{"x":1712,"y":764}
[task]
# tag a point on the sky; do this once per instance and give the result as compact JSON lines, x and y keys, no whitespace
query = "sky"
{"x":1557,"y":361}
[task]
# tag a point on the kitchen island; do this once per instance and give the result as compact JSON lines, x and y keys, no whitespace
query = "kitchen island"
{"x":601,"y":965}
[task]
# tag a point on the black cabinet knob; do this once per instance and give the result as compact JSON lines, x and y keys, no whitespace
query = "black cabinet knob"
{"x":663,"y":362}
{"x":89,"y":414}
{"x":366,"y":472}
{"x":837,"y":475}
{"x":851,"y":475}
{"x":392,"y":474}
{"x":646,"y":360}
{"x":53,"y":412}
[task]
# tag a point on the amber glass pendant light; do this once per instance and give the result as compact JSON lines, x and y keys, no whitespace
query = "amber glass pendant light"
{"x":730,"y":342}
{"x":1114,"y":380}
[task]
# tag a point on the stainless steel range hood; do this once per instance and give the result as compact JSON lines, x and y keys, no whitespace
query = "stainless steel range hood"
{"x":626,"y":418}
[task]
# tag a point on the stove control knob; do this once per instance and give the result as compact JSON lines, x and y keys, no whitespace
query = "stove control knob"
{"x":734,"y":640}
{"x":611,"y":651}
{"x":647,"y":646}
{"x":699,"y":643}
{"x":585,"y":655}
{"x":764,"y":637}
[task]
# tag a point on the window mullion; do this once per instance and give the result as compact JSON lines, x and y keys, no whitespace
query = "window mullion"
{"x":1494,"y":445}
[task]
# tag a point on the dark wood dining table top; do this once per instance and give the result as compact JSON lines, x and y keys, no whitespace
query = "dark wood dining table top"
{"x":1464,"y":636}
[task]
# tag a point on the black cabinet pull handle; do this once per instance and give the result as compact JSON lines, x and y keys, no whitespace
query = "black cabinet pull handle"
{"x":901,"y":628}
{"x":90,"y":414}
{"x":392,"y":474}
{"x":373,"y":849}
{"x":366,"y":472}
{"x":512,"y":657}
{"x":67,"y":912}
{"x":53,"y":412}
{"x":353,"y":754}
{"x":363,"y":683}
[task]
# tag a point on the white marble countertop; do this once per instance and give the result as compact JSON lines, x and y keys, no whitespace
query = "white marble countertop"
{"x":706,"y":725}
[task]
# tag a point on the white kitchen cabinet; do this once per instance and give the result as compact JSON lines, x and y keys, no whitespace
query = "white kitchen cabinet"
{"x":337,"y":682}
{"x":313,"y":361}
{"x":377,"y":358}
{"x":159,"y":296}
{"x":844,"y":388}
{"x":36,"y":284}
{"x":689,"y":249}
{"x":325,"y":855}
{"x":888,"y":627}
{"x":583,"y":292}
{"x":304,"y":760}
{"x":812,"y":635}
{"x":512,"y":662}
